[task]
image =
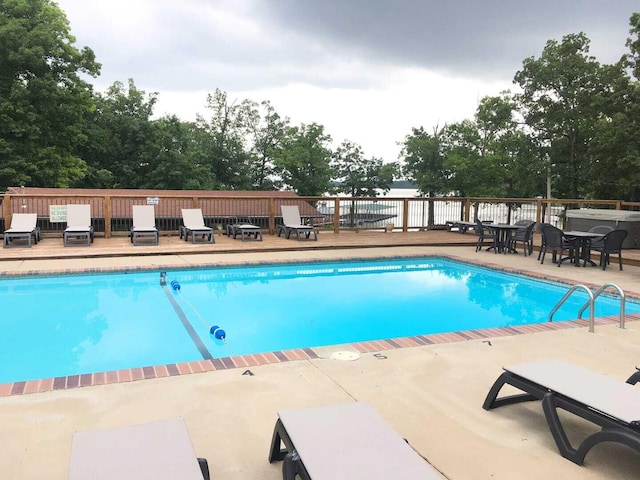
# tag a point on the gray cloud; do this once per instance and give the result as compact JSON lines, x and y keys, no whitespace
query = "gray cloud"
{"x":198,"y":44}
{"x":369,"y":70}
{"x":488,"y":38}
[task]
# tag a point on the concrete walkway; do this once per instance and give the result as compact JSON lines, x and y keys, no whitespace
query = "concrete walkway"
{"x":432,"y":395}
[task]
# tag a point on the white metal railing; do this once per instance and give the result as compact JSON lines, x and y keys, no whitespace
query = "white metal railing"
{"x":601,"y":290}
{"x":567,"y":295}
{"x":591,"y":302}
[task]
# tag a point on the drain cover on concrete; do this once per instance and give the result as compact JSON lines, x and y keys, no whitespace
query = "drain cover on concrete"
{"x":345,"y":356}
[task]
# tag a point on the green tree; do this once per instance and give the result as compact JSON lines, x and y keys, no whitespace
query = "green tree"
{"x":119,"y":151}
{"x":43,"y":99}
{"x":633,"y":42}
{"x":471,"y":173}
{"x":424,"y":163}
{"x":512,"y":154}
{"x":615,"y":149}
{"x":358,"y":176}
{"x":224,"y":142}
{"x":304,"y":162}
{"x":490,"y":155}
{"x":561,"y":101}
{"x":177,"y":160}
{"x":265,"y":136}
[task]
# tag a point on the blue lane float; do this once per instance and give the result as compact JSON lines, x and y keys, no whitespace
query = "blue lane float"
{"x":217,"y":332}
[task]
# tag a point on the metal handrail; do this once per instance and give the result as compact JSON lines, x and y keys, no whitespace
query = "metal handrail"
{"x":567,"y":295}
{"x":598,"y":292}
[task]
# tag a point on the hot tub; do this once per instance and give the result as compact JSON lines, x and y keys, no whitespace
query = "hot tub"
{"x":585,"y":218}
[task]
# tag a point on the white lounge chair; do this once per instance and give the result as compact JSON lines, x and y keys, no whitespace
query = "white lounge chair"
{"x":79,"y":227}
{"x":193,"y":223}
{"x":292,"y":223}
{"x":341,"y":442}
{"x":611,"y":404}
{"x":144,"y":224}
{"x":23,"y":227}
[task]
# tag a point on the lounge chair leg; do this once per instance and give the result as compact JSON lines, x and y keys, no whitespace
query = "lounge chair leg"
{"x":293,"y":466}
{"x":611,"y":432}
{"x":634,"y":378}
{"x":204,"y":468}
{"x":279,"y":437}
{"x":492,"y":401}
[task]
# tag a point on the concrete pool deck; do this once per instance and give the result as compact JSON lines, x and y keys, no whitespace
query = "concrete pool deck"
{"x":432,"y":395}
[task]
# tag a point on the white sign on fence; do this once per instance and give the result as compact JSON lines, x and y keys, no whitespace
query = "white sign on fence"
{"x":57,"y":213}
{"x":152,"y":200}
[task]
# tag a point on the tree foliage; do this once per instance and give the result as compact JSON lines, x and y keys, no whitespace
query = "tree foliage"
{"x":303,"y":163}
{"x":561,"y":102}
{"x":43,"y":99}
{"x":424,"y":162}
{"x":573,"y":120}
{"x":358,"y":176}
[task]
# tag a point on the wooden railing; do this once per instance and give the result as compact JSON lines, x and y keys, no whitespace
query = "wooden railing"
{"x":111,"y":215}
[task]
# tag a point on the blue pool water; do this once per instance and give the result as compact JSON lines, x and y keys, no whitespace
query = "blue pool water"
{"x":67,"y":325}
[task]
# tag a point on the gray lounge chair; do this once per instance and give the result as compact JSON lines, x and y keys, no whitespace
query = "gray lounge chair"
{"x":193,"y":223}
{"x":153,"y":450}
{"x":23,"y":229}
{"x":292,"y":223}
{"x":611,"y":404}
{"x":144,"y":225}
{"x":341,"y":442}
{"x":79,"y":230}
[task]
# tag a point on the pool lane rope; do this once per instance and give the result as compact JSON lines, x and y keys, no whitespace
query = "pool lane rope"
{"x":214,"y":330}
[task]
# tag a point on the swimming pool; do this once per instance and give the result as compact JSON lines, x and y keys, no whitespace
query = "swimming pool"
{"x":70,"y":325}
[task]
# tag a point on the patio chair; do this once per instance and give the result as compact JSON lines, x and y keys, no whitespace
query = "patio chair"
{"x":485,"y":233}
{"x":144,"y":225}
{"x":603,"y":229}
{"x":193,"y":223}
{"x":79,"y":230}
{"x":246,"y":230}
{"x":343,"y":441}
{"x":611,"y":244}
{"x":292,"y":223}
{"x":23,"y":227}
{"x":541,"y":227}
{"x":611,"y":404}
{"x":554,"y":241}
{"x":524,"y":235}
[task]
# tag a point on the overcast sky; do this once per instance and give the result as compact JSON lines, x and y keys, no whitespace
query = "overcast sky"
{"x":368,"y":70}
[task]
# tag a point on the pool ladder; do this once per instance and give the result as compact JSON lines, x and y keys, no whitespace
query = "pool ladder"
{"x":591,"y":302}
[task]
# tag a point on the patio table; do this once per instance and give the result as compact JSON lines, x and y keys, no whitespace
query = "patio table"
{"x":503,"y":233}
{"x":583,"y":243}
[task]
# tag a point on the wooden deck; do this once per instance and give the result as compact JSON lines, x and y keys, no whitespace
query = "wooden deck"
{"x":52,"y":247}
